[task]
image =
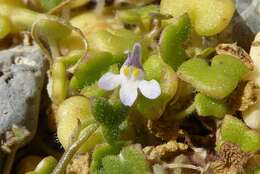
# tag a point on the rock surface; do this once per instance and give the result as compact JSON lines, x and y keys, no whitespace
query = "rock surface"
{"x":22,"y":72}
{"x":246,"y":23}
{"x":248,"y":10}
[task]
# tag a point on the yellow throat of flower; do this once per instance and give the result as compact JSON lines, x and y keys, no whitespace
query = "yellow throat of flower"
{"x":132,"y":71}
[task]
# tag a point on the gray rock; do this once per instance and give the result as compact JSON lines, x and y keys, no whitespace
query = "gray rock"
{"x":246,"y":23}
{"x":22,"y":72}
{"x":248,"y":10}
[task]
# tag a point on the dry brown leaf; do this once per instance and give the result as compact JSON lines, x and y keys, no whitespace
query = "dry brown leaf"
{"x":243,"y":97}
{"x":249,"y":97}
{"x":13,"y":138}
{"x":231,"y":160}
{"x":253,"y":162}
{"x":234,"y":50}
{"x":155,"y":153}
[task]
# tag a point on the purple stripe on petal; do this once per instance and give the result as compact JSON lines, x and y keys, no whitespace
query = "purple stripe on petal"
{"x":134,"y":58}
{"x":128,"y":60}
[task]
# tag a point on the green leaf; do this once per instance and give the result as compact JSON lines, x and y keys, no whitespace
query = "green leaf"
{"x":59,"y":82}
{"x":217,"y":80}
{"x":257,"y":171}
{"x":5,"y":26}
{"x":91,"y":69}
{"x":58,"y":30}
{"x":69,"y":116}
{"x":46,"y":165}
{"x":49,"y":4}
{"x":116,"y":42}
{"x":100,"y":152}
{"x":102,"y":111}
{"x":138,"y":16}
{"x":110,"y":117}
{"x":93,"y":90}
{"x":111,"y":134}
{"x":209,"y":17}
{"x":108,"y":114}
{"x":156,"y":69}
{"x":130,"y":161}
{"x":134,"y":160}
{"x":207,"y":106}
{"x":129,"y":16}
{"x":113,"y":165}
{"x":171,"y":41}
{"x":235,"y":131}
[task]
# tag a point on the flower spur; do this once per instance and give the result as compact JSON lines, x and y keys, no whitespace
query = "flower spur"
{"x":130,"y":79}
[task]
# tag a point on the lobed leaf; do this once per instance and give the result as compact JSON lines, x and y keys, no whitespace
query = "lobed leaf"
{"x":235,"y":131}
{"x":100,"y":152}
{"x":217,"y":80}
{"x":129,"y":161}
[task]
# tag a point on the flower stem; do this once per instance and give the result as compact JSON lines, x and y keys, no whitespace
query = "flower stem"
{"x":68,"y":155}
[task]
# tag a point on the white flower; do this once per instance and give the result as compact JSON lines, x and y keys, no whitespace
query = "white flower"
{"x":130,"y":79}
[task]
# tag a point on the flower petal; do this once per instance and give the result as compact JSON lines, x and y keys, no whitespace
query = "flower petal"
{"x":109,"y":81}
{"x":128,"y":92}
{"x":150,"y":89}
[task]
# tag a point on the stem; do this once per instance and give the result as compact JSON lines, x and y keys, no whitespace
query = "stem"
{"x":154,"y":34}
{"x":9,"y":161}
{"x":66,"y":12}
{"x":187,"y":166}
{"x":183,"y":114}
{"x":55,"y":52}
{"x":60,"y":6}
{"x":68,"y":155}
